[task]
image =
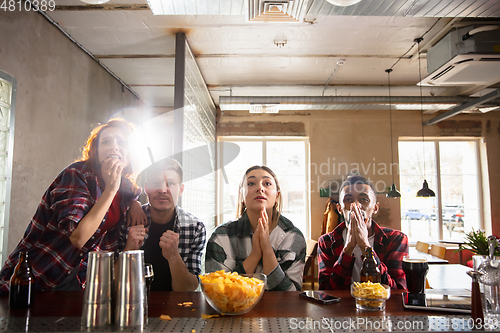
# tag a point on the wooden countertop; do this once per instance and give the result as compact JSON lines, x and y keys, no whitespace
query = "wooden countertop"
{"x":272,"y":304}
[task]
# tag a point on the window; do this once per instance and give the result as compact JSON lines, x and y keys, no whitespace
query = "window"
{"x":452,"y":171}
{"x":7,"y":98}
{"x":287,"y":157}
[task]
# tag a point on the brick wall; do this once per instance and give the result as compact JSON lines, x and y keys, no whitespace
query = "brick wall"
{"x":460,"y":128}
{"x":261,"y":128}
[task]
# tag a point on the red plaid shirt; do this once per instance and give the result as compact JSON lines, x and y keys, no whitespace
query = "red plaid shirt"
{"x":335,"y":267}
{"x":51,"y":254}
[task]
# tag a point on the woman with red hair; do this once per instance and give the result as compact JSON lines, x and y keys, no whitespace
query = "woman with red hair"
{"x":81,"y":211}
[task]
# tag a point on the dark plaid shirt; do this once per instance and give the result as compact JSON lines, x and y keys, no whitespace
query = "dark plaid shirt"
{"x":51,"y":254}
{"x":192,"y":237}
{"x":335,"y":267}
{"x":231,"y":243}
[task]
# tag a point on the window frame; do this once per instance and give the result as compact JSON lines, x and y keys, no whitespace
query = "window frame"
{"x":477,"y":142}
{"x":9,"y":160}
{"x":263,"y":140}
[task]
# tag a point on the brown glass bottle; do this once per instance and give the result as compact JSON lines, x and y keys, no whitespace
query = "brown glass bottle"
{"x":369,"y":271}
{"x":21,"y":284}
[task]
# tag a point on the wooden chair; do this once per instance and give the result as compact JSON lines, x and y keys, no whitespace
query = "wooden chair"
{"x":438,"y":251}
{"x":311,"y":252}
{"x":422,"y":247}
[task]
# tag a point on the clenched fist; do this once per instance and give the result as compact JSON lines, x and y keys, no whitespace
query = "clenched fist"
{"x":169,"y":243}
{"x":135,"y":237}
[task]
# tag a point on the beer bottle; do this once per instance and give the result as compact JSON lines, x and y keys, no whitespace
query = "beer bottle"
{"x":21,"y":284}
{"x":369,"y":271}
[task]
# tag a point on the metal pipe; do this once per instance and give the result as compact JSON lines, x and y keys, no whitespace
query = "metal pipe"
{"x":480,"y":29}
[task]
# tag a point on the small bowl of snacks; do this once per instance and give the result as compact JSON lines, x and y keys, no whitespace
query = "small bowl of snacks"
{"x":370,"y":296}
{"x":232,"y":293}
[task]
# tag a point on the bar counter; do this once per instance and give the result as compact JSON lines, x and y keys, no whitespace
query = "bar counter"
{"x":280,"y":312}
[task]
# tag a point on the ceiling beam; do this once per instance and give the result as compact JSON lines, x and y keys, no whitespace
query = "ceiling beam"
{"x":463,"y":107}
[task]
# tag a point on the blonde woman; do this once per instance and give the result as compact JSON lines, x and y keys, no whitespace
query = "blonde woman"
{"x":261,"y":240}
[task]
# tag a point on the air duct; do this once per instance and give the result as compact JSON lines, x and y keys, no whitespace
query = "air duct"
{"x":297,"y":103}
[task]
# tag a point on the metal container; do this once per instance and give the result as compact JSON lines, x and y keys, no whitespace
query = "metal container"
{"x":97,"y":300}
{"x":131,"y":299}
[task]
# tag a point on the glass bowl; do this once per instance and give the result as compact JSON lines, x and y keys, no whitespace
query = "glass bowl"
{"x":234,"y":298}
{"x":369,"y":301}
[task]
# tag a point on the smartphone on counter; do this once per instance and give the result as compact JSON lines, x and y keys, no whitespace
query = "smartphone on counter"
{"x":319,"y":296}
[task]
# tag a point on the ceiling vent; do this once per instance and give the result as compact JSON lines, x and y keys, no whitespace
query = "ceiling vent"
{"x":463,"y":70}
{"x":291,"y":11}
{"x":460,"y":59}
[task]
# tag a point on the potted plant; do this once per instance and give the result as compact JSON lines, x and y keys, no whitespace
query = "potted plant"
{"x":476,"y":242}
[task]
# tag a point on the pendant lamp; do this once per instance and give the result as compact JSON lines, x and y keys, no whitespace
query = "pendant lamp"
{"x":393,"y":193}
{"x":425,"y":191}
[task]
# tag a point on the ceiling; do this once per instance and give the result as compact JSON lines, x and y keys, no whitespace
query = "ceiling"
{"x":325,"y":55}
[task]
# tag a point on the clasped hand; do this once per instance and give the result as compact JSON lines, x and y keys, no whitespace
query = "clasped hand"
{"x":260,"y":238}
{"x":357,"y":233}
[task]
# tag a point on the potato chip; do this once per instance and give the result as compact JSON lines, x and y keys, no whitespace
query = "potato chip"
{"x":205,"y":316}
{"x":165,"y":317}
{"x":369,"y":290}
{"x":231,"y":292}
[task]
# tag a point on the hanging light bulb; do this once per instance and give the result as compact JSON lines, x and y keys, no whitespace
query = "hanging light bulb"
{"x":425,"y":191}
{"x":343,"y":3}
{"x":393,"y":193}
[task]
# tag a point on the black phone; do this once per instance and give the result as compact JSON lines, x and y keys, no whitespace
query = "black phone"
{"x":319,"y":296}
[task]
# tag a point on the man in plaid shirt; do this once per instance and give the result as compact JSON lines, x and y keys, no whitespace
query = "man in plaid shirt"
{"x":341,"y":252}
{"x":172,"y":239}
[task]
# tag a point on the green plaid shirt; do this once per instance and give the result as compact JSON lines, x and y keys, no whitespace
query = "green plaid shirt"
{"x":231,"y":243}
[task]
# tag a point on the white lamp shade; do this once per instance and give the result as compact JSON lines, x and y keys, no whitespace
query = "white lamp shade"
{"x":343,"y":3}
{"x":95,"y":2}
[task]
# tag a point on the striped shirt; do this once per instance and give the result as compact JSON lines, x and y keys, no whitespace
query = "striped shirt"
{"x":231,"y":243}
{"x":51,"y":254}
{"x":192,"y":237}
{"x":335,"y":267}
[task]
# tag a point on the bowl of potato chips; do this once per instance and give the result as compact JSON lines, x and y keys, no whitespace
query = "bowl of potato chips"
{"x":232,"y":293}
{"x":370,"y":296}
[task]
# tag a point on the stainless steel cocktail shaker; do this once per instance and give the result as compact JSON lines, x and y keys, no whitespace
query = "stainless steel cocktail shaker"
{"x":131,"y":296}
{"x":97,"y":301}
